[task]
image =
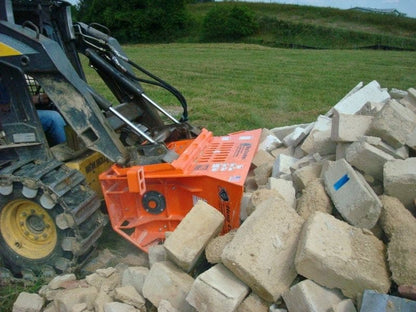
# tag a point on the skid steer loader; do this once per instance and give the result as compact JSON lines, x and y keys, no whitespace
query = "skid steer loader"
{"x":152,"y":167}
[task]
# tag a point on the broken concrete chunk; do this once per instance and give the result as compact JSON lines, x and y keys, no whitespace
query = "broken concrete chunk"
{"x":261,"y":195}
{"x":135,"y":276}
{"x":335,"y":254}
{"x":253,"y":303}
{"x":367,"y":158}
{"x":399,"y":153}
{"x":314,"y":198}
{"x":354,"y":102}
{"x":270,"y":143}
{"x":309,"y":296}
{"x":393,"y":124}
{"x":349,"y":128}
{"x":400,"y":181}
{"x":285,"y":189}
{"x":281,"y":132}
{"x":351,"y":194}
{"x":303,"y":176}
{"x":186,"y":244}
{"x":373,"y":301}
{"x":216,"y":246}
{"x":268,"y":270}
{"x":262,"y":157}
{"x":262,"y":173}
{"x":27,"y":302}
{"x":282,"y":165}
{"x":319,"y":139}
{"x":346,"y":305}
{"x":400,"y":227}
{"x":166,"y":281}
{"x":217,"y":289}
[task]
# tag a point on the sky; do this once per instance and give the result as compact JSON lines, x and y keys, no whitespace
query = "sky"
{"x":404,"y":6}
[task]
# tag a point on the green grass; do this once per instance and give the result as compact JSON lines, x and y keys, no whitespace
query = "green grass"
{"x":285,"y":25}
{"x":231,"y":87}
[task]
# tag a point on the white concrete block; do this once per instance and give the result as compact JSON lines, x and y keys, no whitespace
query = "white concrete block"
{"x":285,"y":188}
{"x":319,"y":139}
{"x":311,"y":297}
{"x":282,"y":165}
{"x":217,"y":289}
{"x":349,"y":128}
{"x":354,"y":102}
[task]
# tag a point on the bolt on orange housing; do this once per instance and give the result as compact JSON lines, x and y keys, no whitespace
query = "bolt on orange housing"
{"x":144,"y":202}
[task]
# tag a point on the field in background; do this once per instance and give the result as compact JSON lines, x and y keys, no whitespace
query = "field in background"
{"x":232,"y":87}
{"x":286,"y":25}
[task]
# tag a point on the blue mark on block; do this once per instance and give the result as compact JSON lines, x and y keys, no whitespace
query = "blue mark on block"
{"x":340,"y":183}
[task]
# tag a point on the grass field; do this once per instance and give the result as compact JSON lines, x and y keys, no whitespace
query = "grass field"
{"x":231,"y":87}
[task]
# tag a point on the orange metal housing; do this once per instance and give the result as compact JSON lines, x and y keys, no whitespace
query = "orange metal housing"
{"x":144,"y":202}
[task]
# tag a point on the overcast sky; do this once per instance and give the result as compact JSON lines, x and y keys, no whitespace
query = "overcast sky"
{"x":405,"y":6}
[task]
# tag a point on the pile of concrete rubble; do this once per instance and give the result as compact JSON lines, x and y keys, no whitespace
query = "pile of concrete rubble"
{"x":328,"y":224}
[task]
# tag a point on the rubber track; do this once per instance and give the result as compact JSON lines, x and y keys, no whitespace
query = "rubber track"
{"x":66,"y":187}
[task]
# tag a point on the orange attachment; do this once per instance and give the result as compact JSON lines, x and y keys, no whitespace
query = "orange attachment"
{"x":144,"y":202}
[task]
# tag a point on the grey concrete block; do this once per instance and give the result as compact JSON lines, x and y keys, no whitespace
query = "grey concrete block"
{"x":351,"y":194}
{"x":166,"y":281}
{"x":217,"y":289}
{"x":354,"y":102}
{"x":400,"y":180}
{"x":186,"y":244}
{"x":367,"y":158}
{"x":268,"y":270}
{"x":281,"y":132}
{"x":311,"y":297}
{"x":135,"y":276}
{"x":282,"y":165}
{"x":393,"y":124}
{"x":399,"y":153}
{"x":373,"y":301}
{"x":349,"y":128}
{"x":335,"y":254}
{"x":319,"y":139}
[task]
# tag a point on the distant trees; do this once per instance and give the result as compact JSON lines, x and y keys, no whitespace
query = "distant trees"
{"x":137,"y":20}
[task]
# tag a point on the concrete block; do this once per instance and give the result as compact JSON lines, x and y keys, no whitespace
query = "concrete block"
{"x":157,"y":253}
{"x":354,"y":102}
{"x":217,"y":289}
{"x":245,"y":200}
{"x":289,"y":151}
{"x":166,"y":281}
{"x":341,"y":150}
{"x":262,"y":157}
{"x":373,"y":301}
{"x":370,"y":108}
{"x":314,"y":198}
{"x":297,"y":136}
{"x":411,"y":140}
{"x":399,"y":153}
{"x":269,"y":143}
{"x":101,"y":300}
{"x":399,"y":225}
{"x":281,"y":132}
{"x":393,"y":124}
{"x":319,"y":139}
{"x":165,"y":306}
{"x":186,"y":244}
{"x":60,"y":280}
{"x":309,"y":296}
{"x":282,"y":165}
{"x":135,"y":276}
{"x":27,"y":302}
{"x":261,"y":195}
{"x":400,"y":180}
{"x":303,"y":176}
{"x":76,"y":296}
{"x":129,"y":295}
{"x":285,"y":188}
{"x":346,"y":305}
{"x":336,"y":255}
{"x":351,"y":194}
{"x":268,"y":270}
{"x":349,"y":128}
{"x":253,"y":303}
{"x":262,"y":173}
{"x":215,"y":247}
{"x":368,"y":159}
{"x":397,"y":94}
{"x":118,"y":307}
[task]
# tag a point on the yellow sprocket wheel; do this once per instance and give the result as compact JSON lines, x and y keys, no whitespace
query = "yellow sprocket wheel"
{"x":31,"y":232}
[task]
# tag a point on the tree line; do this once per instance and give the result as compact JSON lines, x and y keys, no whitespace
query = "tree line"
{"x":139,"y":21}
